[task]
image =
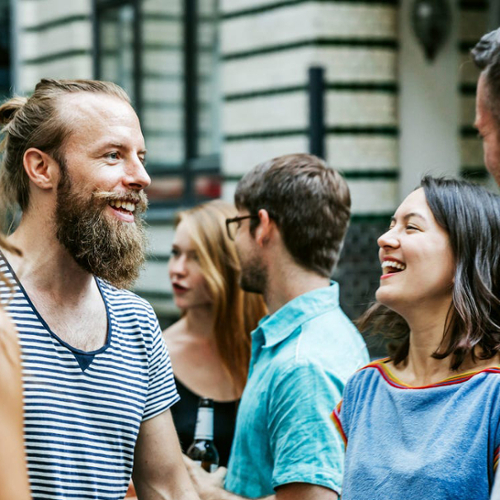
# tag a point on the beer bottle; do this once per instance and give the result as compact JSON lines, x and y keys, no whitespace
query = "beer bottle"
{"x":203,"y":450}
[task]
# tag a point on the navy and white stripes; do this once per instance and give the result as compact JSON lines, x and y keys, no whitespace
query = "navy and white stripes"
{"x":83,"y":410}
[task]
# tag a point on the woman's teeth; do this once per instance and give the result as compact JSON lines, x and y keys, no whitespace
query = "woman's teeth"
{"x":394,"y":265}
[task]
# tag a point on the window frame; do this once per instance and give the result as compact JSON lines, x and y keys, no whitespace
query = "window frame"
{"x":193,"y":165}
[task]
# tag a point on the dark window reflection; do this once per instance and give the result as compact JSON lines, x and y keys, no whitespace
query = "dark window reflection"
{"x":5,"y":46}
{"x":166,"y":56}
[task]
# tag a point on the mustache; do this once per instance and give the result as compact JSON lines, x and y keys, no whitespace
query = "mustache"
{"x":140,"y":198}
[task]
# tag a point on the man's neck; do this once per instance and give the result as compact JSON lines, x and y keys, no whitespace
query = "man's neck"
{"x":45,"y":264}
{"x":65,"y":296}
{"x":288,"y":282}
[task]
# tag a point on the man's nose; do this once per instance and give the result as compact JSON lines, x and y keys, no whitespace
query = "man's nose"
{"x":136,"y":176}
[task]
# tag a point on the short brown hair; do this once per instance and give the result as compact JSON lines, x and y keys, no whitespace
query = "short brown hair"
{"x":486,"y":56}
{"x":35,"y":122}
{"x":309,"y":202}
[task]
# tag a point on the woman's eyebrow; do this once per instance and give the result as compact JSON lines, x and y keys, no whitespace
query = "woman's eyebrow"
{"x":408,"y":216}
{"x":414,"y":214}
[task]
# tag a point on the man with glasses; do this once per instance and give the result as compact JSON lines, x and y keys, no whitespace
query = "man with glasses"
{"x":293,"y":215}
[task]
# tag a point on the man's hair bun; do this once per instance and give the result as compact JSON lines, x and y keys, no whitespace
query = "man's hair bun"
{"x":9,"y":109}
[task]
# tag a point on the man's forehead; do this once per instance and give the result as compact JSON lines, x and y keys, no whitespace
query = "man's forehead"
{"x":92,"y":105}
{"x":100,"y":117}
{"x":482,"y":87}
{"x":481,"y":94}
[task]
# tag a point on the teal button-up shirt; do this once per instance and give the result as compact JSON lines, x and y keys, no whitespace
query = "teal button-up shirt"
{"x":302,"y":356}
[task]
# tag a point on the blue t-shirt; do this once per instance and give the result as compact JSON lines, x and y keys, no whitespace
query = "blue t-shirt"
{"x":302,"y":356}
{"x":439,"y":442}
{"x":83,"y":410}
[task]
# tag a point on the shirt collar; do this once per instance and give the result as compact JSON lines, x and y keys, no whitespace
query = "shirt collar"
{"x":276,"y":327}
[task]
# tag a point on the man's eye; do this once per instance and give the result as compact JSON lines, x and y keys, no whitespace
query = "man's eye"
{"x":113,"y":155}
{"x":412,"y":227}
{"x":174,"y":253}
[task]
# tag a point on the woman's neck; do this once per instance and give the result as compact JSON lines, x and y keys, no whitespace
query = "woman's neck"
{"x":427,"y":327}
{"x":200,"y":322}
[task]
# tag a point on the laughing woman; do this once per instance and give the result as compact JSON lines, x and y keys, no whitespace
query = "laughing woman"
{"x":425,"y":423}
{"x":210,"y":345}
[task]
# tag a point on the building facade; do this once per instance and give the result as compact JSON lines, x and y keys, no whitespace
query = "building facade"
{"x":221,"y":85}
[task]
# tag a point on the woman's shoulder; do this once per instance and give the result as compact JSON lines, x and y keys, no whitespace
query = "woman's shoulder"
{"x":10,"y":368}
{"x":9,"y":347}
{"x":362,"y":379}
{"x":369,"y":370}
{"x":175,"y":333}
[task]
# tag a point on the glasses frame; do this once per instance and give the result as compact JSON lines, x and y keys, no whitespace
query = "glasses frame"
{"x":237,"y":219}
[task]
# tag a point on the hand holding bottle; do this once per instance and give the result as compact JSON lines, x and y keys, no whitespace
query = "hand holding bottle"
{"x":208,"y":486}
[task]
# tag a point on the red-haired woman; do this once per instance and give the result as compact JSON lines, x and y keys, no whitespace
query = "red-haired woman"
{"x":210,"y":345}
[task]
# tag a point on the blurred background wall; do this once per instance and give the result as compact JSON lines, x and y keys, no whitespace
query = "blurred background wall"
{"x":221,"y":85}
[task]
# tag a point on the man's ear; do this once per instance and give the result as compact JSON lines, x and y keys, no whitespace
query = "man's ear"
{"x":265,"y":229}
{"x":41,"y":168}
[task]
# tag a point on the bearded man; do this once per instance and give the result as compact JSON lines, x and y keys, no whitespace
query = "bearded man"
{"x":97,"y":378}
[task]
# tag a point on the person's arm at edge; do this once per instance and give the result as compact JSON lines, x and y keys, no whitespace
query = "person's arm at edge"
{"x":208,"y":487}
{"x":13,"y":470}
{"x":159,"y":472}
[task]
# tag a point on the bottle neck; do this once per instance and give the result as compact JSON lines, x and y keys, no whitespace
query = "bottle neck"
{"x":204,"y":424}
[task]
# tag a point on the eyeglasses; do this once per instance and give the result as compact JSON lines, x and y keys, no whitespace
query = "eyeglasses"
{"x":232,"y":225}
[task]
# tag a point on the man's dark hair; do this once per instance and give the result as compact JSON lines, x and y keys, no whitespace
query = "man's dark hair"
{"x":471,"y":217}
{"x":486,"y":56}
{"x":309,"y":202}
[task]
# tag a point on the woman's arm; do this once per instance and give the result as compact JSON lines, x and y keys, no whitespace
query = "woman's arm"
{"x":13,"y":473}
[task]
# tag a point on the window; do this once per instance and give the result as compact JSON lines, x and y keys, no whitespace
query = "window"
{"x":166,"y":56}
{"x":5,"y":50}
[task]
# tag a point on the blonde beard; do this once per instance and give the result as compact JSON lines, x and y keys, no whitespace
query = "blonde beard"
{"x":105,"y":247}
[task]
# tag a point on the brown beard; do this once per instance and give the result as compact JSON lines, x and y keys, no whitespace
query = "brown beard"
{"x":253,"y":277}
{"x":105,"y":247}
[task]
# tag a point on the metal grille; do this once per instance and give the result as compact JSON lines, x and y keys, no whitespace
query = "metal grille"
{"x":358,"y":272}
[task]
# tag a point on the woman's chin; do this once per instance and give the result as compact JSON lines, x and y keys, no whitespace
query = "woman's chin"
{"x":180,"y":303}
{"x":386,"y":298}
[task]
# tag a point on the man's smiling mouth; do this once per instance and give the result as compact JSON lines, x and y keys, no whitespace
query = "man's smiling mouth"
{"x":124,"y":206}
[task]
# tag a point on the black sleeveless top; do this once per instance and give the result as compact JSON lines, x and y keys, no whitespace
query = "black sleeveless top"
{"x":184,"y":414}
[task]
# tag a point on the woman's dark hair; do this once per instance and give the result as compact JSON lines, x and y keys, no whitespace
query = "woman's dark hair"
{"x":471,"y":216}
